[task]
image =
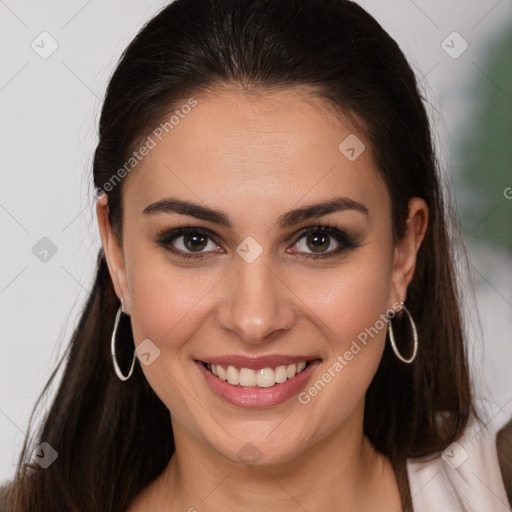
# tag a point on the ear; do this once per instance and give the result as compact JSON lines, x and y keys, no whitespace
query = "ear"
{"x":113,"y":251}
{"x":406,"y":250}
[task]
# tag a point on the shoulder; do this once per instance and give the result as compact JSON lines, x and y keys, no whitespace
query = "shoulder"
{"x":465,"y":476}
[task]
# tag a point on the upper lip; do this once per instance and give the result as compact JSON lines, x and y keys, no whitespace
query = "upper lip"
{"x":256,"y":363}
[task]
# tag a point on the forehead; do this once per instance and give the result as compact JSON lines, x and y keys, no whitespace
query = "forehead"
{"x":235,"y":148}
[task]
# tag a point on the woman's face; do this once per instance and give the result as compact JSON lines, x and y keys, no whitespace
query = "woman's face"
{"x":258,"y":285}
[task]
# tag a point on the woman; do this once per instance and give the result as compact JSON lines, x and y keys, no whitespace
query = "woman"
{"x":274,"y":323}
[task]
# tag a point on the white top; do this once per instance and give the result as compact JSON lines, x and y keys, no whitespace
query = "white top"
{"x":465,"y":477}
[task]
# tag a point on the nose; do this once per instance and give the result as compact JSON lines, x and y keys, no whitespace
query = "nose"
{"x":258,"y":305}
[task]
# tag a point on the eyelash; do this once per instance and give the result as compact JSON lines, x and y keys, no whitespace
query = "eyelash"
{"x":166,"y":237}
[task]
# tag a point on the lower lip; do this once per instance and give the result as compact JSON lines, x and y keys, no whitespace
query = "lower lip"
{"x":258,"y":397}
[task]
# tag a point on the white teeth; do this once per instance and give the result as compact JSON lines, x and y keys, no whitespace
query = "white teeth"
{"x":263,"y":378}
{"x":233,"y":375}
{"x":247,"y":377}
{"x":281,"y":374}
{"x":301,"y":366}
{"x":220,"y":370}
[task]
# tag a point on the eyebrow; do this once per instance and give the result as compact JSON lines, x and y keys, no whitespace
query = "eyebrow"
{"x":172,"y":205}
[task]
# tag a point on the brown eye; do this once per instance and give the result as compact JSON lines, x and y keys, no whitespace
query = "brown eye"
{"x":195,"y":242}
{"x":323,"y":241}
{"x":189,"y":242}
{"x":318,"y":242}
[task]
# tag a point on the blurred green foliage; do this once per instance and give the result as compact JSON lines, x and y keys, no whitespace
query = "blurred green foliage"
{"x":485,"y":152}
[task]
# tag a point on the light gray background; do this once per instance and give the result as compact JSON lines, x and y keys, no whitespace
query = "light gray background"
{"x":48,"y":117}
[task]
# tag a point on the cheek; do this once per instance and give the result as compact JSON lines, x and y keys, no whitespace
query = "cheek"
{"x":350,"y":304}
{"x":167,"y":307}
{"x":349,"y":299}
{"x":167,"y":299}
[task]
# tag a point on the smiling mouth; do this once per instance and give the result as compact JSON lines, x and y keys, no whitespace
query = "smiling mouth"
{"x":262,"y":378}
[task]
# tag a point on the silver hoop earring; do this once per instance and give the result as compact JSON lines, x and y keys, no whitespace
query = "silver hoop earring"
{"x":118,"y":371}
{"x":415,"y":337}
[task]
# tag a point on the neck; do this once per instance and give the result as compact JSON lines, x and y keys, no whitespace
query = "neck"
{"x":353,"y":475}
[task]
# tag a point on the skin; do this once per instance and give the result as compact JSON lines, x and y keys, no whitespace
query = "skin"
{"x":256,"y":158}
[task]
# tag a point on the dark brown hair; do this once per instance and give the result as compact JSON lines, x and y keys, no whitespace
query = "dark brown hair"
{"x":114,"y":437}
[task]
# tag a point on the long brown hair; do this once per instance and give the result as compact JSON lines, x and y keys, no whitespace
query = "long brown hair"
{"x":114,"y":437}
